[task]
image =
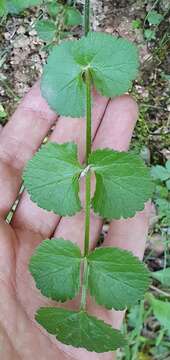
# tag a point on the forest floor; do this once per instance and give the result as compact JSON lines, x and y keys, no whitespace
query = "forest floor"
{"x":22,"y":57}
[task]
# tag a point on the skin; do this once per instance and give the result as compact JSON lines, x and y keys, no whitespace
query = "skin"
{"x":113,"y":124}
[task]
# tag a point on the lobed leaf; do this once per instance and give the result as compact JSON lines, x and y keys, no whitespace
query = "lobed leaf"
{"x":52,"y":178}
{"x":80,"y":329}
{"x":123,"y":183}
{"x":55,"y":266}
{"x":117,"y":279}
{"x":113,"y":64}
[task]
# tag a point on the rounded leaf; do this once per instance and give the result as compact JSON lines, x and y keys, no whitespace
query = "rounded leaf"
{"x":55,"y":266}
{"x":123,"y":183}
{"x":80,"y":329}
{"x":117,"y":279}
{"x":52,"y":178}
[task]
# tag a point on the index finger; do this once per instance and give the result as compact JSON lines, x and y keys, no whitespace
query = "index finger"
{"x":19,"y":139}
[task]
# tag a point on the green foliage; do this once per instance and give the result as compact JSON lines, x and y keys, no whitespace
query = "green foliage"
{"x":160,"y":172}
{"x":55,"y":266}
{"x":51,"y":178}
{"x":161,"y":176}
{"x":112,"y":63}
{"x":150,"y":34}
{"x":80,"y":329}
{"x":16,"y":6}
{"x":46,"y":30}
{"x":121,"y":179}
{"x":61,"y":19}
{"x":136,"y":24}
{"x":3,"y":8}
{"x":163,"y":276}
{"x":3,"y":114}
{"x":154,"y":18}
{"x":161,"y":311}
{"x":72,"y":17}
{"x":54,"y":9}
{"x":117,"y":279}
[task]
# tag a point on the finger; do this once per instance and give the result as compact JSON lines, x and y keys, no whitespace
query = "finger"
{"x":129,"y":234}
{"x":28,"y":215}
{"x":115,"y":132}
{"x":19,"y":139}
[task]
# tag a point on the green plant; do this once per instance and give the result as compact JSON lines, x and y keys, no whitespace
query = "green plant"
{"x":61,"y":18}
{"x":115,"y":278}
{"x":154,"y":19}
{"x":161,"y":175}
{"x":15,"y":6}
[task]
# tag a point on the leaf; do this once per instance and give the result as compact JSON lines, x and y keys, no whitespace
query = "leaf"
{"x":164,"y":210}
{"x":123,"y":183}
{"x":112,"y":62}
{"x":150,"y":34}
{"x":168,"y":184}
{"x":46,"y":30}
{"x":55,"y":266}
{"x":80,"y":329}
{"x":163,"y":276}
{"x":161,"y":311}
{"x":117,"y":279}
{"x":168,"y":166}
{"x":73,"y":17}
{"x":160,"y":173}
{"x":15,"y":6}
{"x":54,"y":9}
{"x":154,"y":18}
{"x":3,"y":8}
{"x":62,"y":85}
{"x":51,"y":178}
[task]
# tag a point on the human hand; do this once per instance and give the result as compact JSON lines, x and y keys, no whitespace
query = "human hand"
{"x":113,"y":123}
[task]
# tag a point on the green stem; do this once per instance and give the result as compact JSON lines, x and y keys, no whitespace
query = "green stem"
{"x":88,"y":152}
{"x":88,"y":114}
{"x":86,"y":17}
{"x":85,"y":285}
{"x":87,"y":214}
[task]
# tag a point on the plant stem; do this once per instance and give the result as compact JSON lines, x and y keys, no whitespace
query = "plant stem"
{"x":88,"y":174}
{"x":86,"y":17}
{"x":88,"y":152}
{"x":85,"y":285}
{"x":88,"y":115}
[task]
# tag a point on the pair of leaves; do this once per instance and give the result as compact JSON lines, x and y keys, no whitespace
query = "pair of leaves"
{"x":15,"y":6}
{"x":123,"y":182}
{"x":72,"y":16}
{"x":116,"y":278}
{"x":80,"y":329}
{"x":112,"y":62}
{"x":47,"y":29}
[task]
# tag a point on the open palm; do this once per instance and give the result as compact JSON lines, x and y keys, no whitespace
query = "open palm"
{"x":113,"y":122}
